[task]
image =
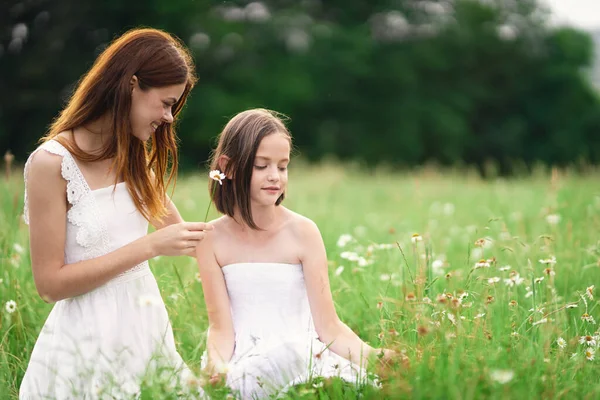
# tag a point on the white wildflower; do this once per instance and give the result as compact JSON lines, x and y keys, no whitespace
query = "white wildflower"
{"x":514,"y":280}
{"x":494,"y":280}
{"x":217,"y":175}
{"x":589,"y":292}
{"x":505,"y":268}
{"x":538,"y":280}
{"x":502,"y":376}
{"x":18,"y":248}
{"x":385,"y":277}
{"x":553,"y":219}
{"x":349,"y":255}
{"x":562,"y":343}
{"x":589,"y":354}
{"x":588,"y":340}
{"x":339,"y":270}
{"x":416,"y":238}
{"x":546,"y":261}
{"x":588,"y":318}
{"x":541,"y":321}
{"x":10,"y":306}
{"x":344,"y":240}
{"x":198,"y":277}
{"x":482,"y":264}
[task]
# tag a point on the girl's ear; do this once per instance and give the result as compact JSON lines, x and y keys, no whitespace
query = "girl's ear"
{"x":223,"y":163}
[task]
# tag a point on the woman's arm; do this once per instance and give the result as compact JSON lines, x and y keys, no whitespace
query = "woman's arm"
{"x":221,"y":338}
{"x":331,"y":330}
{"x":55,"y":280}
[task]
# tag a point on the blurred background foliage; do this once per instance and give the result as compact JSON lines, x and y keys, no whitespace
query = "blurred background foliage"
{"x":400,"y":82}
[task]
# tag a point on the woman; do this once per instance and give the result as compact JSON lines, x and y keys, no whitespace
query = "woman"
{"x":92,"y":187}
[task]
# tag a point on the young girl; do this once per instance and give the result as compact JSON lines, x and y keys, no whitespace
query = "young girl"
{"x":91,"y":189}
{"x":264,"y":273}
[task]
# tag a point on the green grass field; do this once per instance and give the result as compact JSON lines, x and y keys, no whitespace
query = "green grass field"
{"x":464,"y":331}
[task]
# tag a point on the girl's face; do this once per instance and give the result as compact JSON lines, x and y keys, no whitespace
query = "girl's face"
{"x":151,"y":108}
{"x":270,"y":175}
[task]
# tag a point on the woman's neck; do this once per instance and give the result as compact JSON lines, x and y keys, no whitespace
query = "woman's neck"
{"x":266,"y":218}
{"x":94,"y":136}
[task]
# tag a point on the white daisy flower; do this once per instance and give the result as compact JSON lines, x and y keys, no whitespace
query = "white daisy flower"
{"x":538,"y":280}
{"x":385,"y":277}
{"x":590,"y":353}
{"x":344,"y":240}
{"x":572,"y":305}
{"x":502,"y":376}
{"x":553,"y":219}
{"x":589,"y":292}
{"x":18,"y":248}
{"x":10,"y":306}
{"x":551,"y":260}
{"x":349,"y":255}
{"x":514,"y":280}
{"x":541,"y":321}
{"x":588,"y":318}
{"x":588,"y":340}
{"x":505,"y":268}
{"x":562,"y":343}
{"x":494,"y":280}
{"x":217,"y":175}
{"x":482,"y":264}
{"x":339,"y":270}
{"x":198,"y":277}
{"x":416,"y":238}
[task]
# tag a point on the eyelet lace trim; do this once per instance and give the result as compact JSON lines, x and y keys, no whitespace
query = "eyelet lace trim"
{"x":84,"y":213}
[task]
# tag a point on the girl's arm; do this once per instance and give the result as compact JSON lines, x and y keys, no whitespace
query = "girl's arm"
{"x":331,"y":330}
{"x":55,"y":280}
{"x":220,"y":341}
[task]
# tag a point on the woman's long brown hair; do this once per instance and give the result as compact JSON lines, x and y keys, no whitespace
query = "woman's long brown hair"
{"x":158,"y":60}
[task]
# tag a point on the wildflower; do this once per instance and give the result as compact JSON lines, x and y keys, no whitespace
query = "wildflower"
{"x":589,"y":354}
{"x":538,"y":280}
{"x":339,"y":270}
{"x":553,"y":219}
{"x":441,"y":298}
{"x":588,"y":341}
{"x":588,"y":318}
{"x":426,"y":300}
{"x":541,"y":321}
{"x":452,"y":318}
{"x":489,"y":300}
{"x":198,"y":277}
{"x":482,"y":264}
{"x":18,"y":248}
{"x":416,"y":238}
{"x":589,"y":292}
{"x":10,"y":306}
{"x":505,"y":268}
{"x":349,"y":255}
{"x":463,"y":295}
{"x":549,"y":272}
{"x":148,"y":300}
{"x":379,"y":305}
{"x":513,"y":303}
{"x":572,"y":305}
{"x":551,"y":260}
{"x":385,"y":277}
{"x":217,"y":175}
{"x":562,"y":343}
{"x":448,"y":275}
{"x":422,"y":330}
{"x":363,"y":262}
{"x":502,"y":376}
{"x":344,"y":240}
{"x":494,"y":280}
{"x":174,"y":297}
{"x":480,"y":242}
{"x":528,"y":294}
{"x":411,"y":297}
{"x":514,"y":334}
{"x":514,"y":279}
{"x":481,"y":315}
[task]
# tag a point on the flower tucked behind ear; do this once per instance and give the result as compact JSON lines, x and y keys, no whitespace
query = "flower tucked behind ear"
{"x":217,"y":176}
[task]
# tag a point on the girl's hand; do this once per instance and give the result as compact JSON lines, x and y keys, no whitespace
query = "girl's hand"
{"x":178,"y":239}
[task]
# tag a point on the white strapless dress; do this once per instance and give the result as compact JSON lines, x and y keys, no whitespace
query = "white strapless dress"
{"x":276,"y":345}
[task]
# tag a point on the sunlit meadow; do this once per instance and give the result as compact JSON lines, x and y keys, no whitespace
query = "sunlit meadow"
{"x":486,"y":289}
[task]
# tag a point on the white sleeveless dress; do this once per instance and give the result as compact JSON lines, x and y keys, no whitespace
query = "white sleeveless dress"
{"x":276,"y":345}
{"x":99,"y":344}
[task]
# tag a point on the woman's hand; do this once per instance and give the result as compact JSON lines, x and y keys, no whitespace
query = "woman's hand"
{"x":178,"y":239}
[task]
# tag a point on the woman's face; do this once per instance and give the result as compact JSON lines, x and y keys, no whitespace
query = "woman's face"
{"x":152,"y":107}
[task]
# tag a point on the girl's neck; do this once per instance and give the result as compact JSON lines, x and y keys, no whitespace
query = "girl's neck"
{"x":267,"y":218}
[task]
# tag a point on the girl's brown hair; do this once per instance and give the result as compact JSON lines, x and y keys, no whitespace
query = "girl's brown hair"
{"x":239,"y":142}
{"x":157,"y":59}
